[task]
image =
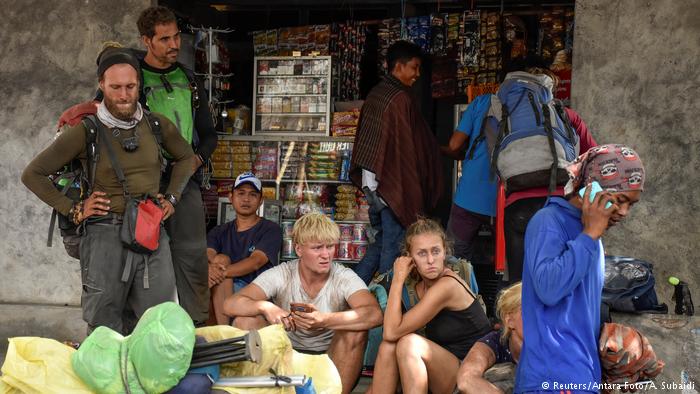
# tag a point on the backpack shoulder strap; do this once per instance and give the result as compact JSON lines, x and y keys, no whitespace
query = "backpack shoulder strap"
{"x":561,"y":111}
{"x":91,"y":127}
{"x":194,"y":86}
{"x":154,"y":123}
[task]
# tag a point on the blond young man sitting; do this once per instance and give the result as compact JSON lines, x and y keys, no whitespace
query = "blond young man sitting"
{"x":324,"y":306}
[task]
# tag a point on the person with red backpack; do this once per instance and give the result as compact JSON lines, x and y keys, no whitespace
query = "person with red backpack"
{"x":122,"y":163}
{"x":169,"y":88}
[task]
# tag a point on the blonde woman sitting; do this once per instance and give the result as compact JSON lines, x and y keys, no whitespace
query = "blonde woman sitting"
{"x":496,"y":347}
{"x":453,"y":321}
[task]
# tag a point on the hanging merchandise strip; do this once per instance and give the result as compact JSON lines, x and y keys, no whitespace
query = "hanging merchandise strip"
{"x":348,"y":49}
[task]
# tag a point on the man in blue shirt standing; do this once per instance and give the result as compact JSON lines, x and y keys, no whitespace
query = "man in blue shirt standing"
{"x":240,"y":250}
{"x":564,"y":271}
{"x":475,"y":199}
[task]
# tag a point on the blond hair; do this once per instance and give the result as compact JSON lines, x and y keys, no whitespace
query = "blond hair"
{"x":509,"y":301}
{"x":425,"y":226}
{"x":315,"y":227}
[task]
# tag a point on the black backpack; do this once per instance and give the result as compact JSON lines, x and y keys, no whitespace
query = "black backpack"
{"x":76,"y":182}
{"x":629,"y":286}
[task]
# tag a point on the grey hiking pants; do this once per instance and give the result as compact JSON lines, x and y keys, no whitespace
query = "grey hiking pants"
{"x":119,"y":283}
{"x":188,"y":245}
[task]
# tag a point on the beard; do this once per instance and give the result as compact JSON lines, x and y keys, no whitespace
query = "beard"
{"x":125,"y":113}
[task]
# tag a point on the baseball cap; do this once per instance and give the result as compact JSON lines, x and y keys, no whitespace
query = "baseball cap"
{"x":250,"y":178}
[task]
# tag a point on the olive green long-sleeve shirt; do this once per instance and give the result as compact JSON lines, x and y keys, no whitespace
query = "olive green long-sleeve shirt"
{"x":141,"y":167}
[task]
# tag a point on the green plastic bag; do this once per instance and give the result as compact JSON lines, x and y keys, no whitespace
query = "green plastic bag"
{"x":97,"y":361}
{"x":161,"y":347}
{"x":152,"y":359}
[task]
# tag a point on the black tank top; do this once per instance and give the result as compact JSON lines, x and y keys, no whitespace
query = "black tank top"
{"x":457,"y":331}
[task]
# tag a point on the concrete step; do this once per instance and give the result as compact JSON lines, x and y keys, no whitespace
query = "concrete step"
{"x":49,"y":321}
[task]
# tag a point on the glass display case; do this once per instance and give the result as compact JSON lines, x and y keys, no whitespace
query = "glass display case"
{"x":300,"y":174}
{"x":291,"y":95}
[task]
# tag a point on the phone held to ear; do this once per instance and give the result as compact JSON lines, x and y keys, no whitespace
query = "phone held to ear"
{"x":297,"y":307}
{"x":595,"y":189}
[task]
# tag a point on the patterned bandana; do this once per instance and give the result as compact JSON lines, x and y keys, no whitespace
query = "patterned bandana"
{"x":616,"y":167}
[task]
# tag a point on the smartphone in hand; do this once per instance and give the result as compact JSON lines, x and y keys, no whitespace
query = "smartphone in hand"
{"x":297,"y":307}
{"x":595,"y":189}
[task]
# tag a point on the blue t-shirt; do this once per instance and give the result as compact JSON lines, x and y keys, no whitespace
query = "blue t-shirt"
{"x":562,"y":291}
{"x":265,"y":236}
{"x":476,"y":191}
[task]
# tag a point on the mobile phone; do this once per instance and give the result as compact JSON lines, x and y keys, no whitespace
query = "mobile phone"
{"x":297,"y":307}
{"x":595,"y":189}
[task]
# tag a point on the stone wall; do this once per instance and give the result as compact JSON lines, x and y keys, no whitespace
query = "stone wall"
{"x":47,"y":63}
{"x":636,"y":81}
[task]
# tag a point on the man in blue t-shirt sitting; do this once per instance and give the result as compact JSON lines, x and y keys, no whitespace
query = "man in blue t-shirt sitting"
{"x":243,"y":248}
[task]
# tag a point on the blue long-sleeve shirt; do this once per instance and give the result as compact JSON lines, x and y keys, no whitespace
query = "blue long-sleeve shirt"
{"x":562,"y":287}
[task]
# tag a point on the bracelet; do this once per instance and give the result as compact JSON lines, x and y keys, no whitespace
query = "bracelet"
{"x":76,"y":212}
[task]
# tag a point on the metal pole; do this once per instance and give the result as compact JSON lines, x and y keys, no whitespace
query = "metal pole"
{"x":211,"y":77}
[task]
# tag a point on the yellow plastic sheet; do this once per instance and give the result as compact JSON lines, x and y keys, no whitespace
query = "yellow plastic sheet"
{"x":277,"y":353}
{"x":39,"y":365}
{"x":325,"y":376}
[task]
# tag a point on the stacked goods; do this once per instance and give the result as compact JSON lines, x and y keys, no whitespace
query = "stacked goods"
{"x":292,"y":160}
{"x":241,"y":158}
{"x":265,"y":163}
{"x":452,"y":30}
{"x":314,"y":39}
{"x":345,"y":123}
{"x":553,"y":33}
{"x":362,"y":207}
{"x":301,"y":198}
{"x":389,"y":31}
{"x":287,"y":243}
{"x":348,"y":49}
{"x":346,"y":203}
{"x":316,"y":198}
{"x":322,"y":161}
{"x":438,"y":33}
{"x":353,"y":241}
{"x":345,"y":158}
{"x":490,"y":59}
{"x":468,"y":48}
{"x":265,"y":42}
{"x":418,"y":29}
{"x":221,"y":160}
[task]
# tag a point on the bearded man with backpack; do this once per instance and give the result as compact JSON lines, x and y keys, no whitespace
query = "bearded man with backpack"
{"x":120,"y":151}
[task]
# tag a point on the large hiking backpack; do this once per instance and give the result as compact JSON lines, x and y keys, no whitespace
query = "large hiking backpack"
{"x":75,"y":181}
{"x":529,"y":135}
{"x":629,"y":286}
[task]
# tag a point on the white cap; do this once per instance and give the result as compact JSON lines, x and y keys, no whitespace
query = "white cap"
{"x":250,"y":178}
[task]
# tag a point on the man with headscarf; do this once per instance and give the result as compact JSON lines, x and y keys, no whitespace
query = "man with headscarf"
{"x":116,"y":282}
{"x":564,"y":272}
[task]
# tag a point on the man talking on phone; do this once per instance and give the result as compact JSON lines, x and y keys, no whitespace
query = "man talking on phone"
{"x":325,"y":307}
{"x":564,"y":271}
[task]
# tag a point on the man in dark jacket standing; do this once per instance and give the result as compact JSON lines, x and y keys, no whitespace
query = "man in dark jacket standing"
{"x":396,"y":159}
{"x":170,"y":89}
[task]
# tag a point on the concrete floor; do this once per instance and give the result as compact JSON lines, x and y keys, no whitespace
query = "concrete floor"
{"x":675,"y":339}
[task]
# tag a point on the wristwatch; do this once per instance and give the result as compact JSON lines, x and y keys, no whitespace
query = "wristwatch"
{"x":171,"y":198}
